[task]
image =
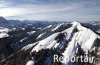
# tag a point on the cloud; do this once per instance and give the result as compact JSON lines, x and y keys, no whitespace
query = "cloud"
{"x":10,"y":12}
{"x":50,"y":9}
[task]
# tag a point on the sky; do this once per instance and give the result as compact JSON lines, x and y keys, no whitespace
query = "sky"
{"x":51,"y":10}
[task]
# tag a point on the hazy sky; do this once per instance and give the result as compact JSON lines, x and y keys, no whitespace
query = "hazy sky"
{"x":60,"y":10}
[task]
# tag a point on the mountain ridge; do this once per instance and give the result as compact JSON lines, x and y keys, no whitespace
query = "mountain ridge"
{"x":3,"y":20}
{"x":66,"y":43}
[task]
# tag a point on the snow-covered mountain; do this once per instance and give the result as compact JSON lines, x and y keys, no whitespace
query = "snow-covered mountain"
{"x":63,"y":39}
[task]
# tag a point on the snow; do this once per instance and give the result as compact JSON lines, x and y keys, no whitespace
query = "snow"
{"x":99,"y":37}
{"x":28,"y":46}
{"x":51,"y":44}
{"x":23,"y":28}
{"x":4,"y":29}
{"x":3,"y":32}
{"x":75,"y":23}
{"x":13,"y":29}
{"x":88,"y":44}
{"x":31,"y":32}
{"x":68,"y":32}
{"x":56,"y":45}
{"x":48,"y":26}
{"x":70,"y":50}
{"x":44,"y":44}
{"x":57,"y":27}
{"x":31,"y":62}
{"x":23,"y":39}
{"x":2,"y":35}
{"x":40,"y":35}
{"x":84,"y":37}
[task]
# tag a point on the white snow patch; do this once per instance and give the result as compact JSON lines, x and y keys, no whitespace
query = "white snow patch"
{"x":28,"y":46}
{"x":13,"y":29}
{"x":31,"y":62}
{"x":56,"y":45}
{"x":23,"y":39}
{"x":44,"y":44}
{"x":57,"y":27}
{"x":3,"y":32}
{"x":51,"y":44}
{"x":48,"y":26}
{"x":31,"y":32}
{"x":4,"y":29}
{"x":23,"y":28}
{"x":40,"y":35}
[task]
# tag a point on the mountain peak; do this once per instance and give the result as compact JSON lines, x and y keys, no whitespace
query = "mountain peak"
{"x":75,"y":23}
{"x":2,"y":19}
